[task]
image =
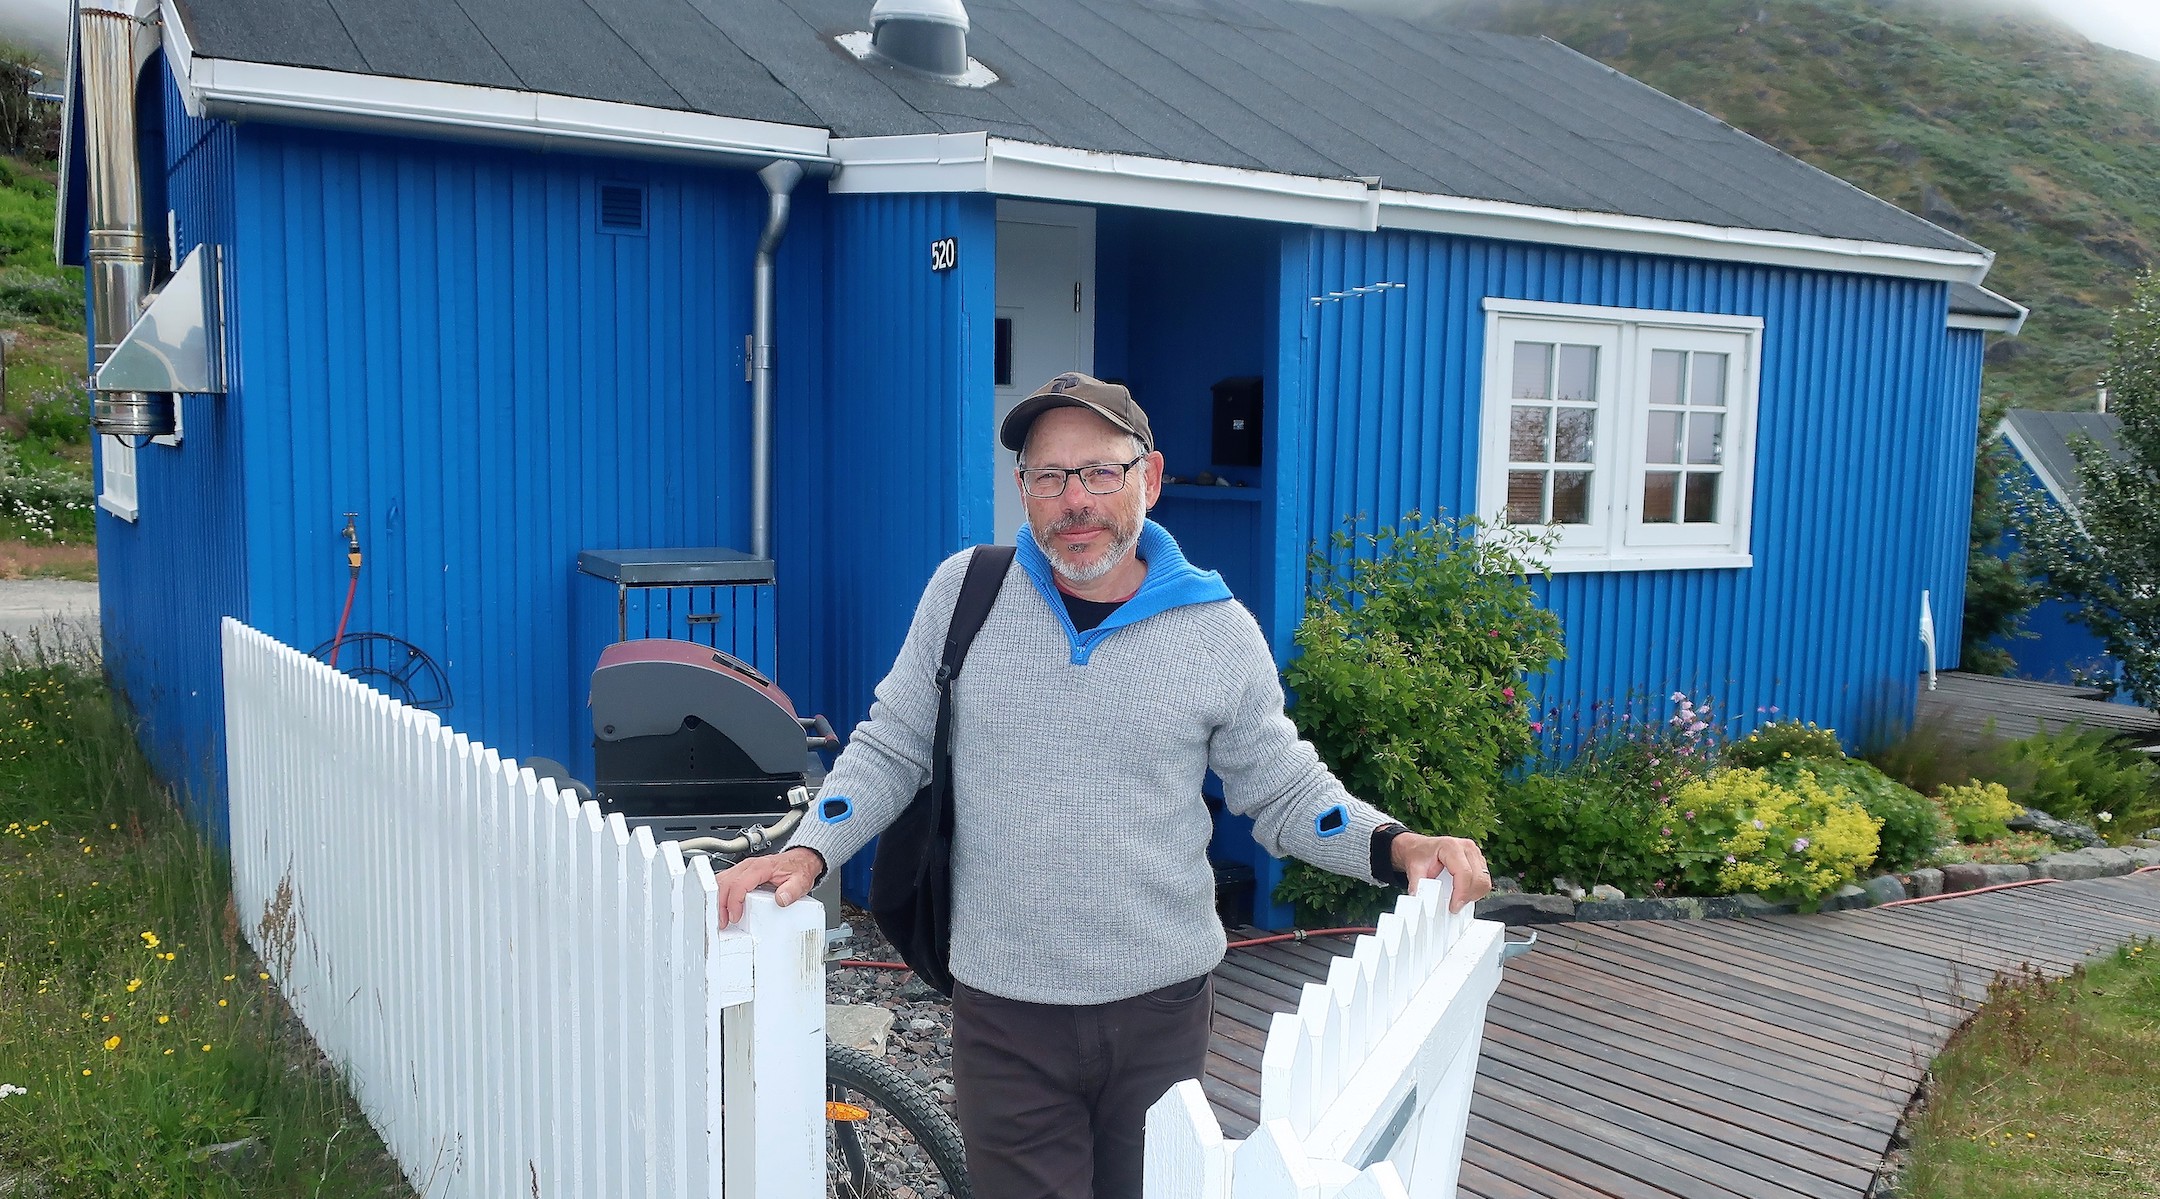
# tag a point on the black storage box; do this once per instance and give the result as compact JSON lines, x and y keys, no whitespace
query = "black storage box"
{"x":1236,"y":439}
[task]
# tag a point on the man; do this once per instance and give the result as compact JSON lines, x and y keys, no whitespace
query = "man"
{"x":1109,"y":678}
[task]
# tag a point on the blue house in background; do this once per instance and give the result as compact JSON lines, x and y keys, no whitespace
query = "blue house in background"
{"x":2059,"y":649}
{"x":491,"y":282}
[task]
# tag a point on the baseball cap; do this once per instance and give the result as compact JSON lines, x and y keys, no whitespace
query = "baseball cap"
{"x":1074,"y":390}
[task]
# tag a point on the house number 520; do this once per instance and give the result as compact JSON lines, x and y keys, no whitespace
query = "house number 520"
{"x":944,"y":253}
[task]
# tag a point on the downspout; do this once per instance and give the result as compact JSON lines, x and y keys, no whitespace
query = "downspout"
{"x":779,"y":179}
{"x":118,"y":255}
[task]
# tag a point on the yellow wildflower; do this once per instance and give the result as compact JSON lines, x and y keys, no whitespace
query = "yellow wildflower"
{"x":164,"y":1019}
{"x":134,"y":985}
{"x":112,"y":1042}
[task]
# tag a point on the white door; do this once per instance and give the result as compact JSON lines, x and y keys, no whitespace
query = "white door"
{"x":1045,"y":317}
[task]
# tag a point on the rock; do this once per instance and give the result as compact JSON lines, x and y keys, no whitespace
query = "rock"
{"x":1937,"y":207}
{"x":229,"y":1156}
{"x":1923,"y":882}
{"x":2067,"y":866}
{"x":2145,"y":855}
{"x":1522,"y":908}
{"x":1847,"y":896}
{"x":1506,"y":884}
{"x":1965,"y":876}
{"x":1640,"y":909}
{"x":1607,"y":893}
{"x":2144,"y":842}
{"x":918,"y":991}
{"x":2036,"y":821}
{"x":858,"y":1026}
{"x":2151,"y":834}
{"x":1744,"y":907}
{"x":1563,"y":885}
{"x":2112,"y":861}
{"x":1884,"y":888}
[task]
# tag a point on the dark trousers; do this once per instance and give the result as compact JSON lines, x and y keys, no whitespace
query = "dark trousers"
{"x":1052,"y":1099}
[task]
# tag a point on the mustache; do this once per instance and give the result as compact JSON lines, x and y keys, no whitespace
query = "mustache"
{"x":1083,"y":519}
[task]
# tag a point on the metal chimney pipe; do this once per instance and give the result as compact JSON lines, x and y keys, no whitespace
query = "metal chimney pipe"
{"x":923,"y":35}
{"x":118,"y":254}
{"x":779,"y":179}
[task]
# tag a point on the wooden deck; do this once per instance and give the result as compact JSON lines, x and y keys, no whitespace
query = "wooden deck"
{"x":1975,"y":706}
{"x":1719,"y":1059}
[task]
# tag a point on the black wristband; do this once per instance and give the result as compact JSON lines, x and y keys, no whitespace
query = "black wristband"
{"x":1383,"y":856}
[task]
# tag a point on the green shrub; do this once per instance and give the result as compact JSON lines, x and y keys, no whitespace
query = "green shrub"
{"x":2077,"y":773}
{"x":1912,"y":826}
{"x":28,"y":295}
{"x":1980,"y":811}
{"x":43,"y":503}
{"x":1741,"y":830}
{"x":1410,"y":681}
{"x":1588,"y":827}
{"x":1931,"y":755}
{"x":1783,"y":741}
{"x":58,"y":414}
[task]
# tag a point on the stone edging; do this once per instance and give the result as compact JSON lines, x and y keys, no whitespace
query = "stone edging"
{"x":1517,"y":907}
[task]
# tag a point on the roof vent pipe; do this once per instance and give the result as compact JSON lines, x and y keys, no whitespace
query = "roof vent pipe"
{"x":923,"y":35}
{"x":779,"y":179}
{"x":118,"y":253}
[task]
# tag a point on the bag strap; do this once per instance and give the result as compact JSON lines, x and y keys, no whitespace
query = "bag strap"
{"x":986,"y":572}
{"x":978,"y":591}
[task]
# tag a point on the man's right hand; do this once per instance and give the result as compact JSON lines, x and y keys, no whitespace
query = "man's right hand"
{"x":791,"y":873}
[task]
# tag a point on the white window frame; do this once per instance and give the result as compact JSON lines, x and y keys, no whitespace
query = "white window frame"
{"x":116,"y":477}
{"x":1616,"y":537}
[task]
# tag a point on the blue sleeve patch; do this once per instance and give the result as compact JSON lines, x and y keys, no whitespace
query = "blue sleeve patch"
{"x":836,"y":809}
{"x":1332,"y":821}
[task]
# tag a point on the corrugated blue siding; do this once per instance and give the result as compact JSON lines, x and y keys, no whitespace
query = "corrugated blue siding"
{"x":166,"y":579}
{"x":889,"y":446}
{"x":444,"y":340}
{"x":1848,"y":465}
{"x":1959,"y":436}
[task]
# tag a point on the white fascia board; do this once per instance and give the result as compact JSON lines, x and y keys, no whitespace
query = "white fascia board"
{"x":1990,"y":324}
{"x":235,"y":90}
{"x":975,"y":162}
{"x":1678,"y":239}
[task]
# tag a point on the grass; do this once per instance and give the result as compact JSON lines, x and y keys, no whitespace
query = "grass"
{"x":2052,"y":1092}
{"x":139,"y":1026}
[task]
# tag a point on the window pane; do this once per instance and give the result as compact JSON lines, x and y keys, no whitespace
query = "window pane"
{"x":1706,"y":437}
{"x":1660,"y":493}
{"x":1526,"y":497}
{"x":1526,"y":434}
{"x":1572,"y":440}
{"x":1707,"y":386}
{"x":1702,"y":499}
{"x":1578,"y":373}
{"x":1571,"y":497}
{"x":1665,"y":368}
{"x":1533,"y":371}
{"x":1664,"y":443}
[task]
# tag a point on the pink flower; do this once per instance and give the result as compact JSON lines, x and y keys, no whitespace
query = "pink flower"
{"x":1507,"y":693}
{"x":1799,"y":844}
{"x":1691,"y":814}
{"x":1537,"y":726}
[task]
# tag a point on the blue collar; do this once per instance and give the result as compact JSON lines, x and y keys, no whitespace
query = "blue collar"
{"x":1171,"y":582}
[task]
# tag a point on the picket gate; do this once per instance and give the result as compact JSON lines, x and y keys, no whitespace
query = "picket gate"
{"x":525,"y":998}
{"x":1365,"y":1088}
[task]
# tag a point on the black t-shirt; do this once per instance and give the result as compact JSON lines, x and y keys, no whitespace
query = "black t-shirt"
{"x":1087,"y":614}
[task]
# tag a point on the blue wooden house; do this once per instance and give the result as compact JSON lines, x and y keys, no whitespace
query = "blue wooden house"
{"x":2044,"y":445}
{"x":489,"y":278}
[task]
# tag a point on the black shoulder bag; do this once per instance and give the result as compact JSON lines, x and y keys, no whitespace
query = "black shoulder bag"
{"x":911,"y":876}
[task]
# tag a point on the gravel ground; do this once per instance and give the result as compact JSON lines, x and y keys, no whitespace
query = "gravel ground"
{"x":921,"y":1040}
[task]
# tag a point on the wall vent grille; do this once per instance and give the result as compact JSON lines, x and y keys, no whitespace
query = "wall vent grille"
{"x":622,"y":208}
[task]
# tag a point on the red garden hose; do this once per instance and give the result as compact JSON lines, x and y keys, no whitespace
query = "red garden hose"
{"x":352,"y":560}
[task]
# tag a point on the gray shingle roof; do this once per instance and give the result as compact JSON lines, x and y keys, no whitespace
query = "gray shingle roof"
{"x":1273,"y":85}
{"x":2047,"y":441}
{"x":1974,"y":300}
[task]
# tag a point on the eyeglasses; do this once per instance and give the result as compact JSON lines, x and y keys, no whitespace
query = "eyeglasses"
{"x":1103,"y":478}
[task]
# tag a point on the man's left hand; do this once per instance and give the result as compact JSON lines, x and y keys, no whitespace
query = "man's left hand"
{"x":1422,"y":857}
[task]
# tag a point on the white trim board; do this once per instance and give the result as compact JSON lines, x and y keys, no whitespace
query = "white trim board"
{"x":2033,"y":463}
{"x":978,"y":162}
{"x":2011,"y":325}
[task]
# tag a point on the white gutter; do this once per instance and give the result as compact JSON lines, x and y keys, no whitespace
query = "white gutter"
{"x":230,"y":89}
{"x":2012,"y":325}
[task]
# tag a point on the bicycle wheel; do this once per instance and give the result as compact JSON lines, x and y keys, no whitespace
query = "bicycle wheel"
{"x":901,"y":1146}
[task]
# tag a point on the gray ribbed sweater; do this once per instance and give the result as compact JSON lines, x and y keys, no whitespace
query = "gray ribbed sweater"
{"x":1080,"y":870}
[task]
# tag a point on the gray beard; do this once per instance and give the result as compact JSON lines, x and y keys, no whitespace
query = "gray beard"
{"x":1081,"y":575}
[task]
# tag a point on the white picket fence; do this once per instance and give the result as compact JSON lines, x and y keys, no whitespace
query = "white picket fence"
{"x":1365,"y":1089}
{"x":526,"y":999}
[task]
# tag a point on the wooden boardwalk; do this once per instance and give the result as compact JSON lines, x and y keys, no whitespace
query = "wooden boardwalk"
{"x":1717,"y":1059}
{"x":1975,"y":706}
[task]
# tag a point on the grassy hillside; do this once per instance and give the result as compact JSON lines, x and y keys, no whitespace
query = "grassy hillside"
{"x":2009,"y":129}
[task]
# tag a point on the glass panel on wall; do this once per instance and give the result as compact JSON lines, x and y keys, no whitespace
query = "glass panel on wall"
{"x":1573,"y":439}
{"x":1661,"y":493}
{"x":1664,"y":441}
{"x":1571,"y":497}
{"x":1702,"y":489}
{"x":1707,"y":387}
{"x":1666,"y":367}
{"x":1578,"y":374}
{"x":1533,"y":371}
{"x":1706,"y":434}
{"x":1526,"y":497}
{"x":1526,"y":433}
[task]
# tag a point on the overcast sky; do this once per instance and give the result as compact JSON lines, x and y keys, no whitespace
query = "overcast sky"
{"x":2126,"y":24}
